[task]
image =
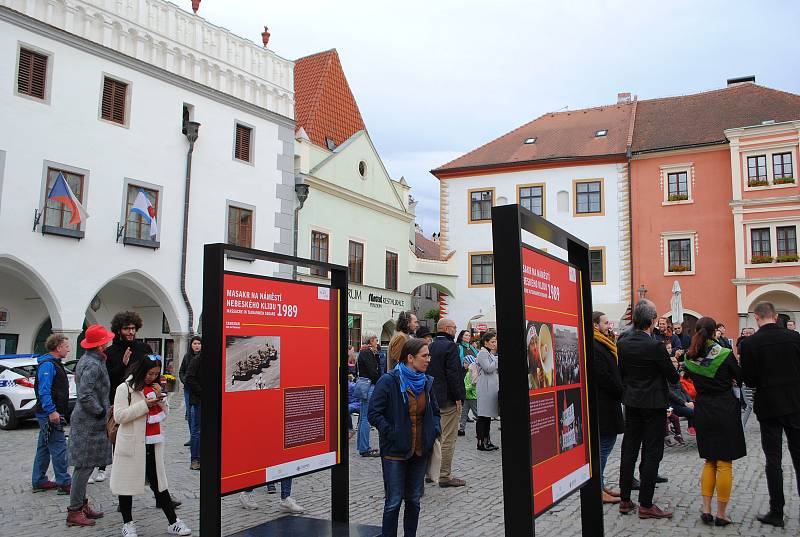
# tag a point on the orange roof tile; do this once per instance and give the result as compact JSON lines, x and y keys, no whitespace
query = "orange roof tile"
{"x":558,"y":135}
{"x":324,"y":105}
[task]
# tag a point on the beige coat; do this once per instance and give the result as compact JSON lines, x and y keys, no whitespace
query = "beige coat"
{"x":128,"y":470}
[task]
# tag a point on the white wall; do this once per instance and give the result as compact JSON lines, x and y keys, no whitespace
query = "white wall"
{"x":464,"y":238}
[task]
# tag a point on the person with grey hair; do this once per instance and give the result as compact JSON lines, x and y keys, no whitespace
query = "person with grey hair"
{"x":369,"y":371}
{"x":646,"y":370}
{"x":771,"y":366}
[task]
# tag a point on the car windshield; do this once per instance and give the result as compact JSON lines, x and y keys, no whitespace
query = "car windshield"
{"x":25,"y":370}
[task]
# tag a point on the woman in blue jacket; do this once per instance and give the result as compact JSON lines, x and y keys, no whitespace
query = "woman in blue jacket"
{"x":403,"y":409}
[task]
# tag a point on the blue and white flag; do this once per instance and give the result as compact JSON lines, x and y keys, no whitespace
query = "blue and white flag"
{"x":145,"y":209}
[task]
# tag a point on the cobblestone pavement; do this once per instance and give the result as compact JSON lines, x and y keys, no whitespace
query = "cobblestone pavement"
{"x":476,"y":510}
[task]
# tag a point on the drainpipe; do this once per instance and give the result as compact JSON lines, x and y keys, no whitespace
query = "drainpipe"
{"x":191,"y":129}
{"x":629,"y":156}
{"x":301,"y":189}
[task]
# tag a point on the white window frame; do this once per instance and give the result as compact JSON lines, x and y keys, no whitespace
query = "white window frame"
{"x":252,"y":161}
{"x":675,"y":235}
{"x":768,"y":152}
{"x":48,"y":78}
{"x":772,"y":224}
{"x":47,"y":164}
{"x":240,"y":205}
{"x":128,"y":182}
{"x":128,"y":96}
{"x":688,"y":169}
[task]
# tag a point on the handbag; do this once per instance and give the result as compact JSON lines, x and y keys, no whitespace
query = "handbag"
{"x":362,"y":388}
{"x":111,"y":425}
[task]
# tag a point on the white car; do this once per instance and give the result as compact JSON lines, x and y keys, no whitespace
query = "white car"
{"x":17,"y":397}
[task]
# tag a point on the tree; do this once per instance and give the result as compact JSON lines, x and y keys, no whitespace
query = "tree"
{"x":433,"y":315}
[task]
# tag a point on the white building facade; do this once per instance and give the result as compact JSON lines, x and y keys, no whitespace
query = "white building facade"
{"x":102,"y":92}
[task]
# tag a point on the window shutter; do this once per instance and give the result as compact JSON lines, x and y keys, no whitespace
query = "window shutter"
{"x":242,"y":150}
{"x":32,"y":75}
{"x":114,"y":96}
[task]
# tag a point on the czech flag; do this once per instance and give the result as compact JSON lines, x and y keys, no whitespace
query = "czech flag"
{"x":63,"y":193}
{"x":143,"y":208}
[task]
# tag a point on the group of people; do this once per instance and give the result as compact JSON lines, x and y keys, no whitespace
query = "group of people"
{"x":254,"y":363}
{"x":657,"y":373}
{"x":419,"y":405}
{"x":118,"y":388}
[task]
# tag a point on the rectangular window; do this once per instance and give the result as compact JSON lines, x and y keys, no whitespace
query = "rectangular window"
{"x":32,"y":74}
{"x":678,"y":186}
{"x":355,"y":263}
{"x":757,"y":170}
{"x":680,"y":255}
{"x":589,"y":197}
{"x":243,"y":143}
{"x":787,"y":240}
{"x":57,"y":214}
{"x":136,"y":227}
{"x":240,"y":226}
{"x":319,"y":251}
{"x":391,"y":271}
{"x":532,"y":198}
{"x":760,"y":242}
{"x":354,"y":330}
{"x":114,"y":100}
{"x":481,"y":269}
{"x":597,"y":265}
{"x":782,"y":166}
{"x":480,"y":205}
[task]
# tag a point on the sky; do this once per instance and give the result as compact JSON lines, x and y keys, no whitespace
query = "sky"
{"x":435,"y":79}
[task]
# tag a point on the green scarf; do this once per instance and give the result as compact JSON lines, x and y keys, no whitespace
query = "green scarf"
{"x":706,"y":364}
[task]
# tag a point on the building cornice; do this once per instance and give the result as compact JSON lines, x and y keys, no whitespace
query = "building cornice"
{"x":788,"y":127}
{"x":354,"y":197}
{"x":678,"y":150}
{"x":765,"y":201}
{"x":86,"y":45}
{"x":505,"y":167}
{"x":765,"y":280}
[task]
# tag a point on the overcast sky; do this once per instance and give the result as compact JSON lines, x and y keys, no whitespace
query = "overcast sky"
{"x":437,"y":78}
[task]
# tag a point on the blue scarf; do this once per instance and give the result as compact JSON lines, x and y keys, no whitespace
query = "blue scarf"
{"x":410,"y":379}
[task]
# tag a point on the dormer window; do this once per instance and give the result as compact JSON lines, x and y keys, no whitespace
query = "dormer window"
{"x":529,"y":141}
{"x":601,"y":132}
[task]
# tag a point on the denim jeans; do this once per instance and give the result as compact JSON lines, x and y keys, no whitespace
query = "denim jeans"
{"x":194,"y":431}
{"x":362,"y":442}
{"x":286,"y":487}
{"x":402,"y":481}
{"x":55,"y":449}
{"x":606,"y":446}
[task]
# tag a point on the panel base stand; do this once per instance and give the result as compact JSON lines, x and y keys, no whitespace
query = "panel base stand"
{"x":308,"y":527}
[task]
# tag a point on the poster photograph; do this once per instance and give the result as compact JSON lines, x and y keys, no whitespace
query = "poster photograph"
{"x":539,"y":341}
{"x":568,"y":369}
{"x":570,"y":419}
{"x":252,"y":363}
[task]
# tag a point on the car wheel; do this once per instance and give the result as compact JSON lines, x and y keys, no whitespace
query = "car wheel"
{"x":8,"y":418}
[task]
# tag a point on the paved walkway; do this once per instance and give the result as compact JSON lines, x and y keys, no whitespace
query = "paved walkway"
{"x":476,"y":510}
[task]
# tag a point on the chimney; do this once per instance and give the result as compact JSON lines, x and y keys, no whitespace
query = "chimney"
{"x":435,"y":238}
{"x":195,"y":6}
{"x":623,"y":97}
{"x":265,"y":36}
{"x":741,"y":80}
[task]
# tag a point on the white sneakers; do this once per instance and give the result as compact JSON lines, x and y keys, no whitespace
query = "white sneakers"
{"x":179,"y":528}
{"x":290,"y":506}
{"x":100,"y":476}
{"x":247,"y":500}
{"x":129,"y":530}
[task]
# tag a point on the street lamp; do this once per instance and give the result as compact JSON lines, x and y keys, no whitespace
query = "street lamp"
{"x":642,"y":292}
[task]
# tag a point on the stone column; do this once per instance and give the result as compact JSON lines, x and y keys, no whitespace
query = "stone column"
{"x":73,"y":341}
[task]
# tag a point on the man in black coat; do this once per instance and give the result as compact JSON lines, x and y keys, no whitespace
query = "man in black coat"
{"x":771,"y":365}
{"x":448,"y":387}
{"x":126,"y":350}
{"x":646,"y":370}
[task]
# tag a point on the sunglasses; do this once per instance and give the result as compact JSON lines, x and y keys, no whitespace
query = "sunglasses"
{"x":154,"y":357}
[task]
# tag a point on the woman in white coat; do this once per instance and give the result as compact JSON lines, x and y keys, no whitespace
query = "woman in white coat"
{"x":140,"y":408}
{"x":488,"y":387}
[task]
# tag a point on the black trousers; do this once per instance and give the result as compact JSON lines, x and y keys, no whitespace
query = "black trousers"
{"x":483,"y":426}
{"x":772,"y":430}
{"x":644,"y":429}
{"x":162,"y":498}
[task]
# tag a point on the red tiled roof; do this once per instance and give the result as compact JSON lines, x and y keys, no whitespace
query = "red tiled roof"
{"x":324,"y":105}
{"x":559,"y":135}
{"x":426,"y":248}
{"x":701,"y":118}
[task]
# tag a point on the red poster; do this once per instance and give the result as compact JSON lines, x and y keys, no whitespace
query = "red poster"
{"x":556,"y":377}
{"x":280,"y":395}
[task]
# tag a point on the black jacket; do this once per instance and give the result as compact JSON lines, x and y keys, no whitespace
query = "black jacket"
{"x":771,"y":365}
{"x":446,"y":370}
{"x":609,"y":391}
{"x":646,"y":369}
{"x":117,"y":370}
{"x":369,"y":365}
{"x":678,"y":395}
{"x":194,"y":379}
{"x":187,"y":359}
